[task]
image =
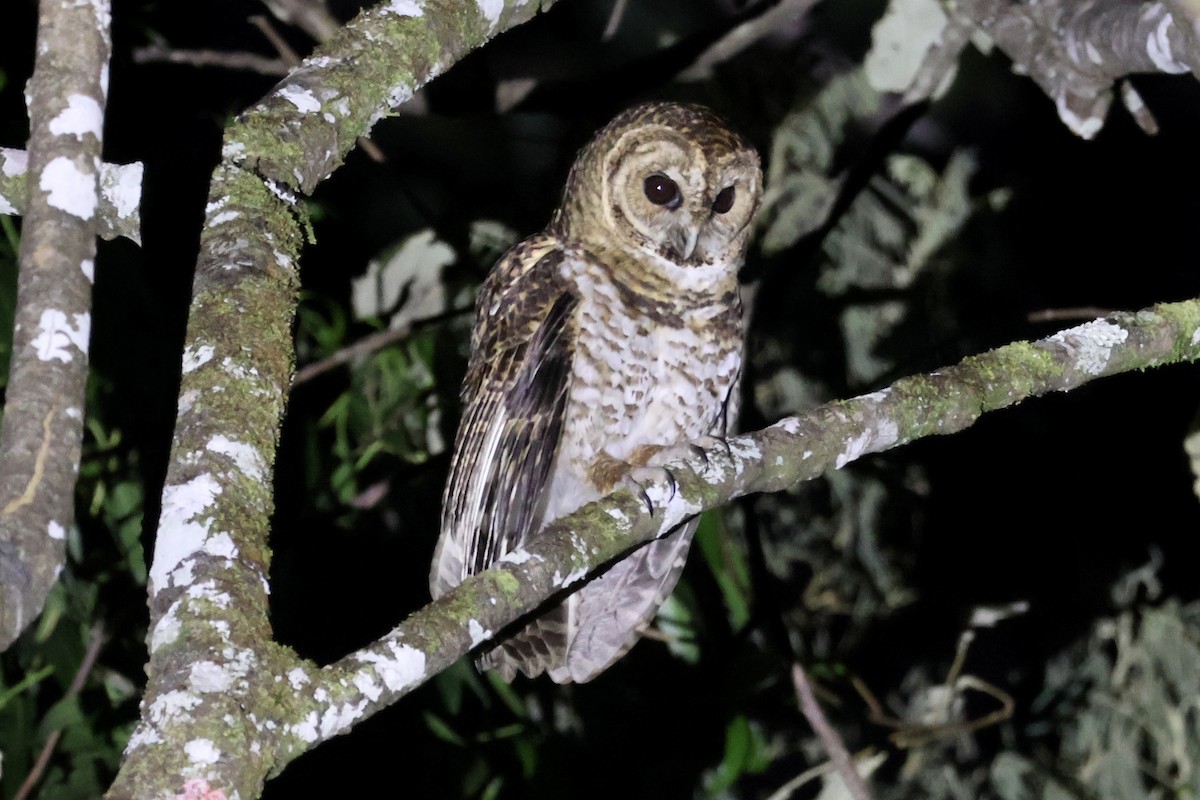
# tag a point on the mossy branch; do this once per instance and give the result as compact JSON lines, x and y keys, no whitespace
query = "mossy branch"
{"x":42,"y":430}
{"x":208,"y":716}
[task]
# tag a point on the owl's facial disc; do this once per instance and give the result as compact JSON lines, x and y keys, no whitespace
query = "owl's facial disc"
{"x":653,"y":187}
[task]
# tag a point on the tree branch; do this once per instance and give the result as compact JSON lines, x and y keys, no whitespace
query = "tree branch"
{"x":792,"y":450}
{"x":119,"y":212}
{"x":1076,"y":51}
{"x":43,"y":416}
{"x":252,"y":62}
{"x":208,"y":714}
{"x":832,"y":742}
{"x":308,"y":704}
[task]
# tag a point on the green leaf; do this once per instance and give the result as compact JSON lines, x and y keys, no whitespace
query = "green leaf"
{"x":508,"y":695}
{"x":442,"y":730}
{"x":31,"y":679}
{"x":737,"y":749}
{"x":727,"y":561}
{"x":66,"y":713}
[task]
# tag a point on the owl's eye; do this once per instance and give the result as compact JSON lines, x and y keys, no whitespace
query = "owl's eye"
{"x":724,"y":200}
{"x":662,"y":191}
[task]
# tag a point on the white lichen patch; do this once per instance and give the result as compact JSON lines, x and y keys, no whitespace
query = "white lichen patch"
{"x":194,"y":358}
{"x":88,"y":268}
{"x":367,"y":685}
{"x":166,"y":630}
{"x":337,"y":719}
{"x":297,"y":678}
{"x":238,"y":370}
{"x":490,"y":9}
{"x":241,"y":661}
{"x":304,"y":100}
{"x":209,"y":676}
{"x":282,"y":259}
{"x":883,"y":435}
{"x":405,"y":8}
{"x":619,"y":515}
{"x":1090,"y":345}
{"x":306,"y":730}
{"x":744,"y":448}
{"x":561,"y":581}
{"x":233,"y":151}
{"x":172,"y":706}
{"x":180,"y":534}
{"x":789,"y":425}
{"x":57,"y":335}
{"x":403,"y":668}
{"x":141,"y":737}
{"x":518,"y":556}
{"x":13,"y":162}
{"x":56,"y":530}
{"x":875,"y":398}
{"x":202,"y":751}
{"x":82,"y":116}
{"x":70,"y":189}
{"x":244,"y":457}
{"x":122,"y":187}
{"x":1195,"y":337}
{"x":222,"y":217}
{"x":207,"y":591}
{"x":478,"y":633}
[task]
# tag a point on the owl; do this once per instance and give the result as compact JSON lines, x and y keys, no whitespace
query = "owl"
{"x":600,"y":343}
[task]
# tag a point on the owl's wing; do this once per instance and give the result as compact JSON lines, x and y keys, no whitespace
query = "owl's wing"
{"x":515,"y":398}
{"x":614,"y":609}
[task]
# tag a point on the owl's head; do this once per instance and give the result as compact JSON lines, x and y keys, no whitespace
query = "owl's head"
{"x":671,"y":179}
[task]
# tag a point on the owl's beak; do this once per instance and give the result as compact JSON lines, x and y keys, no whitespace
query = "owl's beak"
{"x":681,"y":239}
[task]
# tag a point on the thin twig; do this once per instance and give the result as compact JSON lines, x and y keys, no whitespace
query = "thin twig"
{"x":277,"y":41}
{"x":363,"y":347}
{"x":312,"y":16}
{"x":833,"y":743}
{"x":293,"y":58}
{"x":96,"y":640}
{"x":1060,"y":314}
{"x":251,"y":62}
{"x":614,"y":20}
{"x":775,"y":19}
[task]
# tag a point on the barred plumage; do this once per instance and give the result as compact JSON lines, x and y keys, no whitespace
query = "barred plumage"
{"x":619,"y":326}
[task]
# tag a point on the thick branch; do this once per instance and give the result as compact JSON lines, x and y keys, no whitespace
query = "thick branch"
{"x":119,"y":212}
{"x":208,"y":715}
{"x":43,"y":416}
{"x":1077,"y":50}
{"x":330,"y":700}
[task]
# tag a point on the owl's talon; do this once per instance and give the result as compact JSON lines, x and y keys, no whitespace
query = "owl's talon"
{"x":638,"y":479}
{"x":646,"y":499}
{"x":703,"y":444}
